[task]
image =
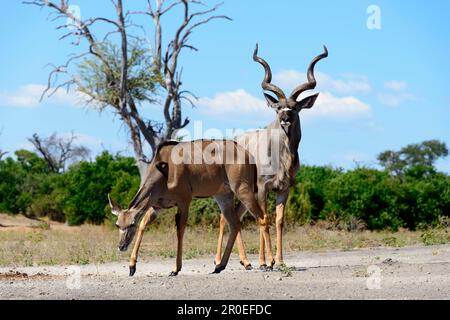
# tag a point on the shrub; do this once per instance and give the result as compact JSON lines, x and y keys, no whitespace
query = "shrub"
{"x":423,"y":201}
{"x":19,"y":181}
{"x":88,"y":185}
{"x":307,"y":196}
{"x":365,"y":194}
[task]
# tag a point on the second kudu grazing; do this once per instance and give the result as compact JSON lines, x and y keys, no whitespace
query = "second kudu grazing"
{"x":276,"y":155}
{"x":181,"y":171}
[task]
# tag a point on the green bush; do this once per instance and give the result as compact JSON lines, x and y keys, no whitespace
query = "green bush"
{"x":421,"y":202}
{"x":88,"y":185}
{"x":77,"y":196}
{"x":20,"y":181}
{"x":307,"y":196}
{"x":204,"y":211}
{"x":366,"y":194}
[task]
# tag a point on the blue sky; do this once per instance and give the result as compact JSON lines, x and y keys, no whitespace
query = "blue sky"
{"x":380,"y":89}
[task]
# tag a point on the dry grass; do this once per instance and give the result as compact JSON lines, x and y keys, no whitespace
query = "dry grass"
{"x":58,"y":244}
{"x":79,"y":245}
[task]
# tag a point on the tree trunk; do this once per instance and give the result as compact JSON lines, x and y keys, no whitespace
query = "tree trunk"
{"x":137,"y":147}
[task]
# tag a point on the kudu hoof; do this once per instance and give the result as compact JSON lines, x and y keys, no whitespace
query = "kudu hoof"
{"x":247,"y":267}
{"x":218,"y":270}
{"x":266,"y":268}
{"x":132,"y":270}
{"x":173,"y":274}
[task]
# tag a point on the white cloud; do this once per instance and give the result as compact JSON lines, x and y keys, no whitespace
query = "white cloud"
{"x":394,"y":100}
{"x":331,"y":106}
{"x":235,"y":103}
{"x":347,"y":84}
{"x":240,"y":103}
{"x":398,"y":97}
{"x":396,"y":85}
{"x":28,"y":96}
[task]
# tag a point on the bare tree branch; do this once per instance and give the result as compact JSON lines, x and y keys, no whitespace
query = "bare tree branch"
{"x":59,"y":152}
{"x":168,"y":64}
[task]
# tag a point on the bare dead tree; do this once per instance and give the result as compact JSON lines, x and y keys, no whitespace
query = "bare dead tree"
{"x":59,"y":152}
{"x":168,"y":64}
{"x":119,"y":87}
{"x":113,"y":89}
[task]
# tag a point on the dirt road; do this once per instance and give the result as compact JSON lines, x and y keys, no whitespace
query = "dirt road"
{"x":379,"y":273}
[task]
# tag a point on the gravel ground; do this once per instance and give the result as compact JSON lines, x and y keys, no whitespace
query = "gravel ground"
{"x":377,"y":273}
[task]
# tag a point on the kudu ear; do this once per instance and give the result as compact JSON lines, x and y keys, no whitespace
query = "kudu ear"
{"x":115,"y":207}
{"x":306,"y":103}
{"x":163,"y":167}
{"x":271,"y":101}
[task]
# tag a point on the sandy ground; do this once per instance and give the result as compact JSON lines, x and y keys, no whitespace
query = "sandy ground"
{"x":378,"y":273}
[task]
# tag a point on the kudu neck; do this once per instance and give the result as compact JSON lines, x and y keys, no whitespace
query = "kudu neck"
{"x":141,"y":201}
{"x":294,"y":136}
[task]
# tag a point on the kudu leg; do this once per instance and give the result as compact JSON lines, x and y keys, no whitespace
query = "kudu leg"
{"x":280,"y":208}
{"x":258,"y":209}
{"x":220,"y":240}
{"x":242,"y":252}
{"x":234,"y":224}
{"x":225,"y":202}
{"x":180,"y":220}
{"x":148,"y":218}
{"x":240,"y":211}
{"x":262,"y":250}
{"x":265,"y":243}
